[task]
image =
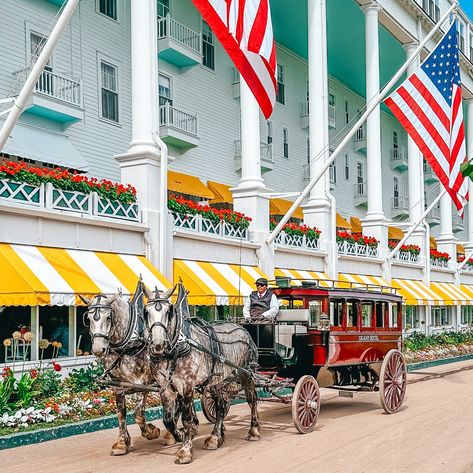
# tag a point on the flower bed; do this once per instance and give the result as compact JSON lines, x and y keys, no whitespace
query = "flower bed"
{"x":439,"y":258}
{"x":185,"y":208}
{"x":419,"y":347}
{"x":68,"y":181}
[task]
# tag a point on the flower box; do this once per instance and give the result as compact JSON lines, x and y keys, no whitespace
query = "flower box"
{"x":72,"y":201}
{"x":356,"y":244}
{"x":116,"y":209}
{"x":439,"y":259}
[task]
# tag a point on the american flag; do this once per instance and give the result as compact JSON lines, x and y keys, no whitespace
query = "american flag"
{"x":429,"y":106}
{"x":245,"y":30}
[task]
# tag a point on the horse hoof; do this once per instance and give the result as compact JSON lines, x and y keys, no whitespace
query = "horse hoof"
{"x":152,"y":432}
{"x":183,"y":457}
{"x":211,"y":443}
{"x":119,"y":449}
{"x":253,"y":434}
{"x":168,"y":439}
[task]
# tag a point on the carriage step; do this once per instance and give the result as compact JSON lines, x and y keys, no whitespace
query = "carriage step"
{"x":345,"y":394}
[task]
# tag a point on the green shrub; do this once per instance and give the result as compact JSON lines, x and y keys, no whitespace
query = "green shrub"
{"x":84,"y":379}
{"x":419,"y":341}
{"x":47,"y":383}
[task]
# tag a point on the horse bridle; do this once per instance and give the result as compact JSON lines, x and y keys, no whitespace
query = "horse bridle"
{"x":170,"y":343}
{"x":93,"y":311}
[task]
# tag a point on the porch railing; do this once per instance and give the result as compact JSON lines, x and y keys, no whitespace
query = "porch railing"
{"x":169,"y":27}
{"x":173,"y":117}
{"x":346,"y":248}
{"x":296,"y":241}
{"x":198,"y":224}
{"x":53,"y":85}
{"x":406,"y":257}
{"x":60,"y":200}
{"x":437,"y":263}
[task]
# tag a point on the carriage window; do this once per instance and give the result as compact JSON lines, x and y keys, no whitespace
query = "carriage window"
{"x":380,"y":314}
{"x":336,"y":312}
{"x":315,"y":311}
{"x":366,"y":313}
{"x":393,"y":315}
{"x":352,"y":314}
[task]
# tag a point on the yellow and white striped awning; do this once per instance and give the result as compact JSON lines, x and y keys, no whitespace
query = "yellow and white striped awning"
{"x":359,"y":281}
{"x":35,"y":275}
{"x":452,"y":294}
{"x":216,"y":283}
{"x":299,"y":275}
{"x":417,"y":293}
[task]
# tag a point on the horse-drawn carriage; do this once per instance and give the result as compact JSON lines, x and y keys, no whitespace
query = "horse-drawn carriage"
{"x":345,"y":336}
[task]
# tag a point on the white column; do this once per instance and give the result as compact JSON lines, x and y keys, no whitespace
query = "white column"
{"x":469,"y":147}
{"x":375,"y":223}
{"x":318,"y":210}
{"x":415,"y":171}
{"x":249,"y":197}
{"x":140,"y":165}
{"x":446,"y":241}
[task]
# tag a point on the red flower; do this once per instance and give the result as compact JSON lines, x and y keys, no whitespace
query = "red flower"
{"x":7,"y":372}
{"x":56,"y":366}
{"x":33,"y":373}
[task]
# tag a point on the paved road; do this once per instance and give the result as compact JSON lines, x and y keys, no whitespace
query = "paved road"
{"x":432,"y":433}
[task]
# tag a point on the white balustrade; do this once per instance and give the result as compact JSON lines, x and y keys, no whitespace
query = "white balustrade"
{"x":21,"y":192}
{"x":169,"y":27}
{"x":332,"y":116}
{"x":360,"y":134}
{"x":406,"y":257}
{"x":198,"y":224}
{"x":398,"y":154}
{"x":360,"y":189}
{"x":297,"y":241}
{"x":346,"y":248}
{"x":173,"y":117}
{"x":438,"y":263}
{"x":55,"y":199}
{"x":266,"y":151}
{"x":53,"y":85}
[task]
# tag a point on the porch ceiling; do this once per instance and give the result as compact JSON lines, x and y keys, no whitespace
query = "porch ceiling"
{"x":346,"y":40}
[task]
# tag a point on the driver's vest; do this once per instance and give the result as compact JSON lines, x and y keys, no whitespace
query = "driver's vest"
{"x":258,"y":305}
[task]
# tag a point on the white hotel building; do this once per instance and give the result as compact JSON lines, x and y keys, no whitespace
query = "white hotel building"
{"x":95,"y":109}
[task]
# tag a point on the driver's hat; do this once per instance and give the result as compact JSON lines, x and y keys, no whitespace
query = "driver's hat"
{"x":261,"y":281}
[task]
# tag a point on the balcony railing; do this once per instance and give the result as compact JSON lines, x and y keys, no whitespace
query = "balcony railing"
{"x":54,"y":199}
{"x":168,"y":27}
{"x":296,"y":241}
{"x":399,"y":159}
{"x":400,"y":203}
{"x":406,"y":257}
{"x":360,"y":189}
{"x":173,"y":117}
{"x":332,"y":116}
{"x":438,"y":263}
{"x":360,"y":134}
{"x":53,"y":85}
{"x":204,"y":226}
{"x":354,"y":249}
{"x":266,"y":151}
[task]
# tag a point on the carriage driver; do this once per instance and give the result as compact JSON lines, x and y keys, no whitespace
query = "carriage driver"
{"x":262,"y":303}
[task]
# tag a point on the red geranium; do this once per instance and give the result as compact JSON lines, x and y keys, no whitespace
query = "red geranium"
{"x":56,"y":366}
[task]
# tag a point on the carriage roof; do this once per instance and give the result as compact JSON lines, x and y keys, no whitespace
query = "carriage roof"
{"x":315,"y":288}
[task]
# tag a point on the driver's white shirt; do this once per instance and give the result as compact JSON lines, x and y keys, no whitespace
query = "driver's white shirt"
{"x":271,"y":312}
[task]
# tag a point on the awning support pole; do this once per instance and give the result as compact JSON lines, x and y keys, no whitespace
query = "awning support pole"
{"x":36,"y":71}
{"x":371,"y":106}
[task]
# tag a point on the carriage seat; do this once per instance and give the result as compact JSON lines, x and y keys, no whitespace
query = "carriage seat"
{"x":284,"y":338}
{"x":293,"y":315}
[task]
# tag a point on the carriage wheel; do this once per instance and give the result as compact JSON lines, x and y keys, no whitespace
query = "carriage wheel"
{"x":306,"y":404}
{"x":393,"y":381}
{"x":208,"y":406}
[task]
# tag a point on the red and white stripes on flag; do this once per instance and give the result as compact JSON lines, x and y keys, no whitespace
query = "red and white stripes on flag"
{"x":245,"y":30}
{"x":429,"y":106}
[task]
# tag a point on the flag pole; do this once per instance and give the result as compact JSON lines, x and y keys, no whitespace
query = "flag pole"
{"x":371,"y":106}
{"x":415,"y":225}
{"x":36,"y":71}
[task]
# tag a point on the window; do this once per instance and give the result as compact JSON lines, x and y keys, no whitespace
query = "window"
{"x":441,"y":316}
{"x":347,"y":113}
{"x":333,"y":173}
{"x":366,"y":314}
{"x":352,"y":315}
{"x":269,"y":133}
{"x":411,"y":317}
{"x":45,"y":82}
{"x":315,"y":309}
{"x":285,"y":140}
{"x":163,"y":8}
{"x":395,"y":140}
{"x":431,"y":7}
{"x":360,"y":178}
{"x":281,"y":98}
{"x":380,"y":309}
{"x":347,"y":166}
{"x":109,"y":91}
{"x":54,"y":326}
{"x":461,"y":35}
{"x":331,"y":109}
{"x":108,"y":8}
{"x":15,"y":319}
{"x":467,"y":315}
{"x":336,"y":313}
{"x":208,"y":48}
{"x":396,"y":193}
{"x":165,"y":91}
{"x":83,"y":340}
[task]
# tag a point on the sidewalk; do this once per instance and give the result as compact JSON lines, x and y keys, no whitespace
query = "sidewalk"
{"x":425,"y":374}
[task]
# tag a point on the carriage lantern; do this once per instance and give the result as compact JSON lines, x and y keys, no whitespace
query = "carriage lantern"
{"x":324,"y":322}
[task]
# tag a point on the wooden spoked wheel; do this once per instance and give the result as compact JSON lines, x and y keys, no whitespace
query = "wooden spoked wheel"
{"x":208,"y":406}
{"x":393,"y":381}
{"x":306,"y":404}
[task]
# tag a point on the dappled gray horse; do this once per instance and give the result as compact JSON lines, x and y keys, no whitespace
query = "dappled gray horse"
{"x":188,"y":356}
{"x":110,"y":325}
